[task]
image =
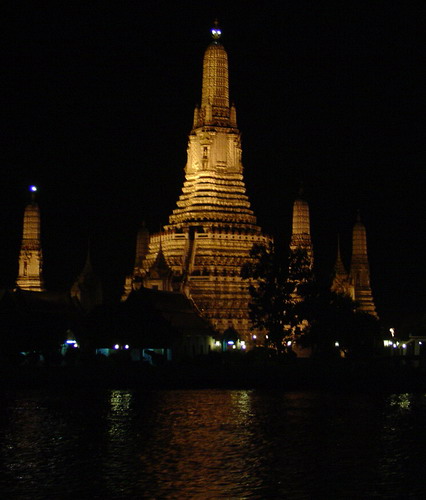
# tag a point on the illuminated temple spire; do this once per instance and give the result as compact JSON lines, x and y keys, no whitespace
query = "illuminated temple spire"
{"x":214,"y":189}
{"x":213,"y":228}
{"x":30,"y":257}
{"x":359,"y":274}
{"x":301,"y":229}
{"x":215,"y":88}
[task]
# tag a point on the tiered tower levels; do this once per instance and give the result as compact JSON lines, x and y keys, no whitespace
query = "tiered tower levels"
{"x":213,"y":228}
{"x":356,"y":283}
{"x":359,"y":274}
{"x":30,"y":257}
{"x":301,"y":229}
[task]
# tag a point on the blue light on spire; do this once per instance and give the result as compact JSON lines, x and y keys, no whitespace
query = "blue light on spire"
{"x":215,"y":31}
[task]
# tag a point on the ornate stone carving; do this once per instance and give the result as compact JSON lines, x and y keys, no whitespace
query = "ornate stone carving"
{"x":212,"y":229}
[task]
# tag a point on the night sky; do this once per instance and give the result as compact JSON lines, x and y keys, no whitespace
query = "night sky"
{"x":97,"y":101}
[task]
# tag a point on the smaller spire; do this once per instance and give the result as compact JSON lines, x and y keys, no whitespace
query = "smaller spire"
{"x":339,"y":268}
{"x":301,"y":232}
{"x":160,"y":261}
{"x":359,"y":270}
{"x":87,"y":288}
{"x":31,"y":257}
{"x":341,"y":282}
{"x":160,"y":274}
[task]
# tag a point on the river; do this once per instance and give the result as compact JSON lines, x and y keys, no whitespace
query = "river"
{"x":206,"y":444}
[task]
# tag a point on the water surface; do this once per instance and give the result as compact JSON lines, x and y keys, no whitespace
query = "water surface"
{"x":211,"y":444}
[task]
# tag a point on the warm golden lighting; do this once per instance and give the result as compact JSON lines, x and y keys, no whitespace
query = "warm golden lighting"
{"x":30,"y":257}
{"x":356,"y":283}
{"x":213,"y":228}
{"x":301,"y":229}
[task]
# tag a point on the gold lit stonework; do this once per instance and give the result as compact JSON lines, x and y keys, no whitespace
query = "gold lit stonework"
{"x":356,"y":283}
{"x":301,"y":230}
{"x":212,"y":229}
{"x":359,"y":273}
{"x":30,"y":257}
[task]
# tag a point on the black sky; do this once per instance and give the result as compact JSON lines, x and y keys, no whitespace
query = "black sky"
{"x":97,"y":101}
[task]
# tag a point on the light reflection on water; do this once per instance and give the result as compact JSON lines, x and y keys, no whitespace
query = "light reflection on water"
{"x":211,"y":444}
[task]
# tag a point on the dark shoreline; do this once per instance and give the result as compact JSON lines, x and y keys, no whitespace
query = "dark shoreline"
{"x":376,"y":375}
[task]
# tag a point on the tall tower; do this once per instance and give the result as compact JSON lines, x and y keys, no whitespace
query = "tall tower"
{"x":301,"y":230}
{"x":341,"y":283}
{"x":211,"y":232}
{"x":30,"y":257}
{"x":359,"y":274}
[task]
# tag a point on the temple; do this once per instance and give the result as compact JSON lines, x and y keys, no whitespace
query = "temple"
{"x":301,"y":229}
{"x":356,"y":282}
{"x":185,"y":295}
{"x":30,"y":257}
{"x":210,"y":233}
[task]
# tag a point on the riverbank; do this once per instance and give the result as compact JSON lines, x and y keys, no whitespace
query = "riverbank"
{"x":381,"y":374}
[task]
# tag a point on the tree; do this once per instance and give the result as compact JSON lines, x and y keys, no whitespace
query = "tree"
{"x":328,"y":315}
{"x":276,"y":287}
{"x":332,"y":317}
{"x":290,"y":304}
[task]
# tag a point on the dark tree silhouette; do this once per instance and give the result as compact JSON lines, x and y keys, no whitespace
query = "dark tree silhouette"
{"x":289,"y":304}
{"x":275,"y":287}
{"x":333,"y":318}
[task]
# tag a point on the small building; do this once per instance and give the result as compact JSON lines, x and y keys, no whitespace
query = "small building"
{"x":153,"y":323}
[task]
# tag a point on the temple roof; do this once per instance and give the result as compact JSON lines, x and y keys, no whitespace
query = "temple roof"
{"x":158,"y":318}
